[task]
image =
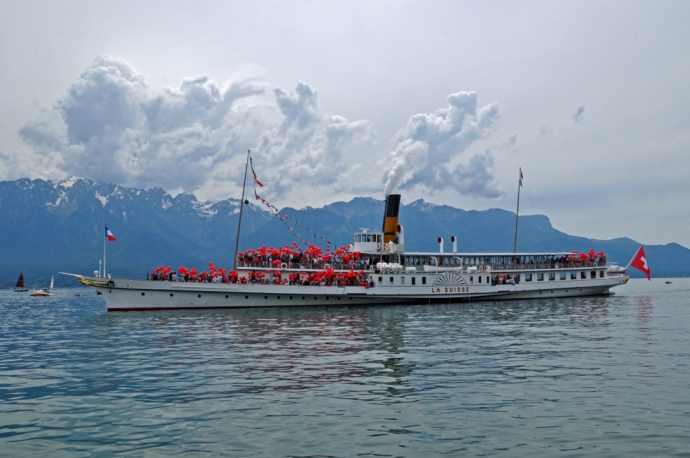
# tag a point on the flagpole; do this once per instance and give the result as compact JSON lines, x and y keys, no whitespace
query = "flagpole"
{"x":239,"y":224}
{"x":517,"y":212}
{"x":104,"y":237}
{"x":631,"y":259}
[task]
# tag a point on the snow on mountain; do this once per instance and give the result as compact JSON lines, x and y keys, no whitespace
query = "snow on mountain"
{"x":66,"y":182}
{"x":102,"y":199}
{"x":421,"y":205}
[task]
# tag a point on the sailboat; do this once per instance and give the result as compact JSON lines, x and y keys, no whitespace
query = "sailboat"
{"x":44,"y":291}
{"x":19,"y":288}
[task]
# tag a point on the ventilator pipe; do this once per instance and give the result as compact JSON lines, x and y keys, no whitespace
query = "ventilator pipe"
{"x":455,"y":243}
{"x":401,"y":235}
{"x":440,"y":244}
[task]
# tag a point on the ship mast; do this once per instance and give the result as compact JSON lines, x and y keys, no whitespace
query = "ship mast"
{"x":517,"y":212}
{"x":239,"y":224}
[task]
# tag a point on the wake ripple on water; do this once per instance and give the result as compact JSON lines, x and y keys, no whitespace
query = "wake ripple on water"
{"x":579,"y":376}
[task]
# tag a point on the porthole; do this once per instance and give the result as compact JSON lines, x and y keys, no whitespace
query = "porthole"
{"x":226,"y":296}
{"x":338,"y":298}
{"x":326,"y":297}
{"x":314,"y":297}
{"x":265,"y":297}
{"x":143,"y":294}
{"x":198,"y":295}
{"x":171,"y":294}
{"x":246,"y":297}
{"x":302,"y":297}
{"x":278,"y":297}
{"x":290,"y":297}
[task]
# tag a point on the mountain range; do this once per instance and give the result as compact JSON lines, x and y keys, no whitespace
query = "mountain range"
{"x":52,"y":226}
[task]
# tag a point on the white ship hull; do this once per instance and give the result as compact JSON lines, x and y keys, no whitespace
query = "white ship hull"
{"x":129,"y":295}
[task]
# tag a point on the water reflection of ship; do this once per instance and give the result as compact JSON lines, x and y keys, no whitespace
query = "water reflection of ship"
{"x":299,"y":350}
{"x":587,"y":312}
{"x":645,"y":307}
{"x":395,"y":365}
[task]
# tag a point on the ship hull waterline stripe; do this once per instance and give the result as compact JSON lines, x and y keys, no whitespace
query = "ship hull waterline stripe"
{"x":387,"y":301}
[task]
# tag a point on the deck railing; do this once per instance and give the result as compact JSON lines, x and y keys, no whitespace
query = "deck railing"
{"x":264,"y":265}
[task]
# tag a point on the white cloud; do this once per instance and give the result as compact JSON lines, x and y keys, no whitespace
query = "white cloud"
{"x":111,"y":125}
{"x":308,"y":147}
{"x":430,"y":143}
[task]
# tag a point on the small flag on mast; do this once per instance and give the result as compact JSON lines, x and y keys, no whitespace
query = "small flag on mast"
{"x":251,"y":163}
{"x":109,"y":235}
{"x":520,"y":176}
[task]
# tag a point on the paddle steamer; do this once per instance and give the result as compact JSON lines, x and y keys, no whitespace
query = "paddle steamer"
{"x":383,"y":273}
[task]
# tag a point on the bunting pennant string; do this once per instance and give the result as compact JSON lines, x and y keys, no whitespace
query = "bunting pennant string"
{"x":284,"y":217}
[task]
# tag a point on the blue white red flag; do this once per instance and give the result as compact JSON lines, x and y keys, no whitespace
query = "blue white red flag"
{"x":109,"y":234}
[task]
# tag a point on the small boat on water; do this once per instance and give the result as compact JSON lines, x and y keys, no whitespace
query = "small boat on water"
{"x":44,"y":291}
{"x":19,"y":288}
{"x":668,"y":282}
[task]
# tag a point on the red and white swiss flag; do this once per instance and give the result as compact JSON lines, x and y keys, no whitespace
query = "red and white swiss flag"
{"x":639,"y":261}
{"x":109,"y":234}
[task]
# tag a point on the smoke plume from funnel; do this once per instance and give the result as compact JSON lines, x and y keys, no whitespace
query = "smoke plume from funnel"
{"x":430,"y":142}
{"x":407,"y":157}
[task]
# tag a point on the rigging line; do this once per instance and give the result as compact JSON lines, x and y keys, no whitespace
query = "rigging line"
{"x":275,"y":212}
{"x":239,"y":223}
{"x":65,"y":282}
{"x":534,"y":209}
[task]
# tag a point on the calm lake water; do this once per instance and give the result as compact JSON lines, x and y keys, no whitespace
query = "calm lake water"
{"x":592,"y":376}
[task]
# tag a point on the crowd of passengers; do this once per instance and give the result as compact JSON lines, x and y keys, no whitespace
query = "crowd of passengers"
{"x":365,"y":262}
{"x":505,"y":280}
{"x":565,"y":261}
{"x":571,"y":259}
{"x":313,"y":279}
{"x":304,"y":259}
{"x":288,"y":257}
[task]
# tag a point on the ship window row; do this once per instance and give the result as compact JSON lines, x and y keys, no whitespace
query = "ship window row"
{"x":517,"y":277}
{"x":391,"y":281}
{"x":562,"y":276}
{"x":413,"y":280}
{"x":455,"y":260}
{"x":375,"y":238}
